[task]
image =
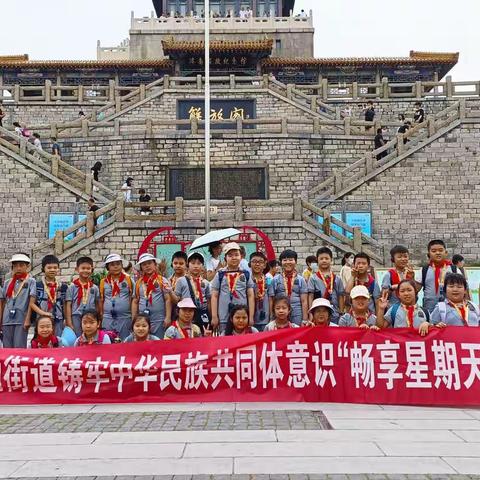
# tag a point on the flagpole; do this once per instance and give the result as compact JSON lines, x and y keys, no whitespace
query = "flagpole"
{"x":207,"y":115}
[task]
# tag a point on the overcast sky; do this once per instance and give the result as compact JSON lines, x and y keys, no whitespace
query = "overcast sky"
{"x":69,"y":29}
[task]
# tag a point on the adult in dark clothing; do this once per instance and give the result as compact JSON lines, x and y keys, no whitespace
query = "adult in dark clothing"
{"x":56,"y":147}
{"x":369,"y":113}
{"x":96,"y":169}
{"x":380,"y":142}
{"x":403,"y":129}
{"x":145,"y":197}
{"x":93,"y":207}
{"x":419,"y":115}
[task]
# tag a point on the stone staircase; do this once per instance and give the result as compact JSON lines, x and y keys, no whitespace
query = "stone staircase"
{"x":53,"y":168}
{"x":342,"y":182}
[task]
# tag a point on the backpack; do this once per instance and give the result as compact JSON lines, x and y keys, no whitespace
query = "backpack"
{"x":442,"y":309}
{"x":112,"y":334}
{"x":200,"y":314}
{"x":395,"y":308}
{"x":425,"y":268}
{"x":41,"y":295}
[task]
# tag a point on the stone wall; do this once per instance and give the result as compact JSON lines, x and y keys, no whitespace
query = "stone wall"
{"x":26,"y":199}
{"x":41,"y":114}
{"x":294,"y":163}
{"x":433,"y":194}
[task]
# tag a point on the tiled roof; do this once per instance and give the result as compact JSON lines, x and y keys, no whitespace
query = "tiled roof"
{"x":93,"y":64}
{"x":170,"y":46}
{"x":13,"y":58}
{"x":413,"y":59}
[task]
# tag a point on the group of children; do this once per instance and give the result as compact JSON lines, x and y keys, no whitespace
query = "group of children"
{"x":242,"y":297}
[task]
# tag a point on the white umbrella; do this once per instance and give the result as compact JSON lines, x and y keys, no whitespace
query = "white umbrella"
{"x":213,"y":237}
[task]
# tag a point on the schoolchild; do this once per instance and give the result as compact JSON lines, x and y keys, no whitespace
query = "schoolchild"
{"x":82,"y":295}
{"x":291,"y":284}
{"x":431,"y":277}
{"x":258,"y":264}
{"x":361,"y":276}
{"x":325,"y":284}
{"x":152,"y":295}
{"x":321,"y":313}
{"x":402,"y":270}
{"x":44,"y":336}
{"x":312,"y":267}
{"x":405,"y":313}
{"x":17,"y":298}
{"x":273,"y":268}
{"x":281,"y":311}
{"x":455,"y":310}
{"x":231,"y":286}
{"x":116,"y":291}
{"x":195,"y":287}
{"x":140,"y":330}
{"x":238,"y":322}
{"x":179,"y":266}
{"x":91,"y":332}
{"x":359,"y":315}
{"x":184,"y":327}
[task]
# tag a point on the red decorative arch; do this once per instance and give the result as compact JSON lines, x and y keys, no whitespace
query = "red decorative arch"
{"x":264,"y":243}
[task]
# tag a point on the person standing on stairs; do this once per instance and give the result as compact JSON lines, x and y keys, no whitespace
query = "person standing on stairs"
{"x":369,"y":113}
{"x":127,"y":189}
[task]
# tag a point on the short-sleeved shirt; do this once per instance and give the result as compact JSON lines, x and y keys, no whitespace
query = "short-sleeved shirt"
{"x":212,"y":264}
{"x":299,"y":288}
{"x":401,"y":316}
{"x":348,"y":320}
{"x":182,"y":290}
{"x":226,"y":297}
{"x":431,"y":296}
{"x":387,"y":285}
{"x":375,"y":294}
{"x":319,"y":290}
{"x":156,"y":306}
{"x":121,"y":304}
{"x":73,"y":293}
{"x":16,"y":308}
{"x":272,"y":326}
{"x":82,"y":341}
{"x":234,"y":333}
{"x":262,"y":305}
{"x":174,"y":332}
{"x":131,"y":338}
{"x":452,"y":318}
{"x":42,"y":300}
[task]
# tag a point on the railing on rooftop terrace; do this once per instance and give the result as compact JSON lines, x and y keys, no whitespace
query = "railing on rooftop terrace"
{"x":313,"y":96}
{"x":220,"y":23}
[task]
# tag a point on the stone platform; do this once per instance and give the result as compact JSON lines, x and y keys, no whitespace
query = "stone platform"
{"x":239,"y":441}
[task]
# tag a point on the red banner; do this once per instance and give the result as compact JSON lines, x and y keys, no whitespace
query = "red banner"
{"x":394,"y":366}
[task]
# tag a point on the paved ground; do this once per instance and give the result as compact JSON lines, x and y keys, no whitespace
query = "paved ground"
{"x":239,"y":442}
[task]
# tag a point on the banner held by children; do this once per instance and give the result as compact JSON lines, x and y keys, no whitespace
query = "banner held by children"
{"x":305,"y":364}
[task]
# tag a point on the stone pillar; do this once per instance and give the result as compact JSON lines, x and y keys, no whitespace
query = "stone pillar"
{"x":297,"y":209}
{"x":88,"y":184}
{"x":48,"y":91}
{"x":325,"y":89}
{"x":238,"y":209}
{"x":120,"y":208}
{"x":84,"y":128}
{"x":357,"y":239}
{"x":58,"y":245}
{"x":355,"y":90}
{"x":55,"y":165}
{"x":418,"y":89}
{"x":179,"y":209}
{"x":149,"y":127}
{"x":239,"y":126}
{"x":111,"y":91}
{"x":80,"y":93}
{"x":90,"y":224}
{"x":141,"y":91}
{"x":385,"y":88}
{"x":449,"y":86}
{"x":347,"y":125}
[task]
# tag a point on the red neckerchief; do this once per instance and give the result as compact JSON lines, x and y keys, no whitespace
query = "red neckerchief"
{"x":49,"y":342}
{"x":115,"y":284}
{"x":261,"y":286}
{"x":326,"y":280}
{"x":394,"y":277}
{"x":149,"y":283}
{"x":438,"y":271}
{"x":462,"y":311}
{"x":232,"y":278}
{"x":359,"y":320}
{"x":367,"y":284}
{"x":173,"y":281}
{"x":11,"y":287}
{"x":410,"y":314}
{"x":288,"y":279}
{"x":184,"y":331}
{"x":52,"y":296}
{"x":83,"y":288}
{"x":198,"y":287}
